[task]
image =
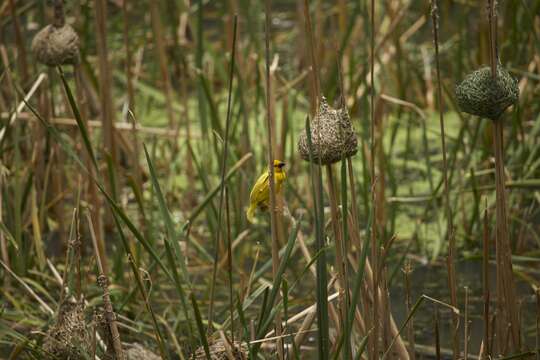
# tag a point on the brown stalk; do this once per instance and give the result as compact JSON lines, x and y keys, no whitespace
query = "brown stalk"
{"x":3,"y":242}
{"x":407,"y":270}
{"x":162,"y":57}
{"x":505,"y":290}
{"x":369,"y":275}
{"x":222,"y":187}
{"x":374,"y":339}
{"x":452,"y":281}
{"x":485,"y":281}
{"x":105,"y":93}
{"x":493,"y":331}
{"x":184,"y":77}
{"x":466,"y":326}
{"x":385,"y":310}
{"x":229,"y":262}
{"x":354,"y":206}
{"x":437,"y":335}
{"x":340,"y":259}
{"x":537,"y":295}
{"x":21,"y":50}
{"x":315,"y":82}
{"x":92,"y":194}
{"x":138,"y":172}
{"x":505,"y":283}
{"x":129,"y":57}
{"x":274,"y":212}
{"x":103,"y":283}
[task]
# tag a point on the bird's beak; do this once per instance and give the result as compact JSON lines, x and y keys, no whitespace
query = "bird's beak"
{"x":281,"y":165}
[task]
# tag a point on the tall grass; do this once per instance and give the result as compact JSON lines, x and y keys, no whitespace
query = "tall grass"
{"x":151,"y":140}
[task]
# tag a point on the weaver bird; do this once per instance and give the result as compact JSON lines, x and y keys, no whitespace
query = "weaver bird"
{"x":260,"y":194}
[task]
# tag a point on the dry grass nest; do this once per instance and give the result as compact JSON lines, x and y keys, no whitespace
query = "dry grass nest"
{"x":332,"y":135}
{"x":479,"y":94}
{"x":68,"y":338}
{"x":136,"y":351}
{"x":218,"y":351}
{"x":55,"y":46}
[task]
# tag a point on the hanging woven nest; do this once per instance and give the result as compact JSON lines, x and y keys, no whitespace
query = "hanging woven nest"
{"x":68,"y":338}
{"x":218,"y":351}
{"x":332,"y":135}
{"x":479,"y":94}
{"x":136,"y":351}
{"x":55,"y":46}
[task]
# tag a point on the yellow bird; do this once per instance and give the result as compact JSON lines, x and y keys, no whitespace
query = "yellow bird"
{"x":260,"y":194}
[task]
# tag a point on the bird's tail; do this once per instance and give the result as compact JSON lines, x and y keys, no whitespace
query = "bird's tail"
{"x":250,"y":213}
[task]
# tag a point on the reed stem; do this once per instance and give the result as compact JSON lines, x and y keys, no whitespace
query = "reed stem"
{"x":374,"y":354}
{"x":485,"y":281}
{"x":452,"y":281}
{"x":103,"y":283}
{"x":222,"y":183}
{"x":508,"y":318}
{"x":274,"y":212}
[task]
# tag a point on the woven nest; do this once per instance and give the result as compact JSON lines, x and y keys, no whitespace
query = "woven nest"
{"x":136,"y":351}
{"x":479,"y":94}
{"x":55,"y":46}
{"x":68,"y":338}
{"x":332,"y":136}
{"x":219,"y":352}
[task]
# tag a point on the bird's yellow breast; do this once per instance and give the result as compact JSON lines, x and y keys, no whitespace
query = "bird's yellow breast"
{"x":260,"y":193}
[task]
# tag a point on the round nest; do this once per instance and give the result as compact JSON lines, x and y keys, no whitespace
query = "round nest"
{"x":136,"y":351}
{"x":55,"y":46}
{"x":68,"y":338}
{"x":479,"y":94}
{"x":219,"y":352}
{"x":332,"y":135}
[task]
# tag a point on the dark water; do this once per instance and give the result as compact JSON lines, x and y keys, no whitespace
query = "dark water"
{"x":431,"y":280}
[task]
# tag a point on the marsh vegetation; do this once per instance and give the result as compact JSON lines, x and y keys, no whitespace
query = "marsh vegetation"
{"x":132,"y":133}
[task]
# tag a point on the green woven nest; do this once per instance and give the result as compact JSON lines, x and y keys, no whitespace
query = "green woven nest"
{"x":332,"y":135}
{"x":479,"y":94}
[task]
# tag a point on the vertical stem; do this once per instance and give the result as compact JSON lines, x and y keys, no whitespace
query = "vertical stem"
{"x":103,"y":283}
{"x":229,"y":262}
{"x":492,"y":38}
{"x":374,"y":226}
{"x":201,"y":102}
{"x":105,"y":86}
{"x":452,"y":282}
{"x":314,"y":68}
{"x":128,"y":60}
{"x":485,"y":276}
{"x":505,"y":282}
{"x":410,"y":326}
{"x":466,"y":326}
{"x":222,"y":182}
{"x":270,"y":156}
{"x":162,"y":57}
{"x":537,"y":324}
{"x":340,"y":259}
{"x":3,"y":242}
{"x":21,"y":50}
{"x":437,"y":337}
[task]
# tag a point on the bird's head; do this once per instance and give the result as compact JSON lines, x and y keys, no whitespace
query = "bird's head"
{"x":278,"y":165}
